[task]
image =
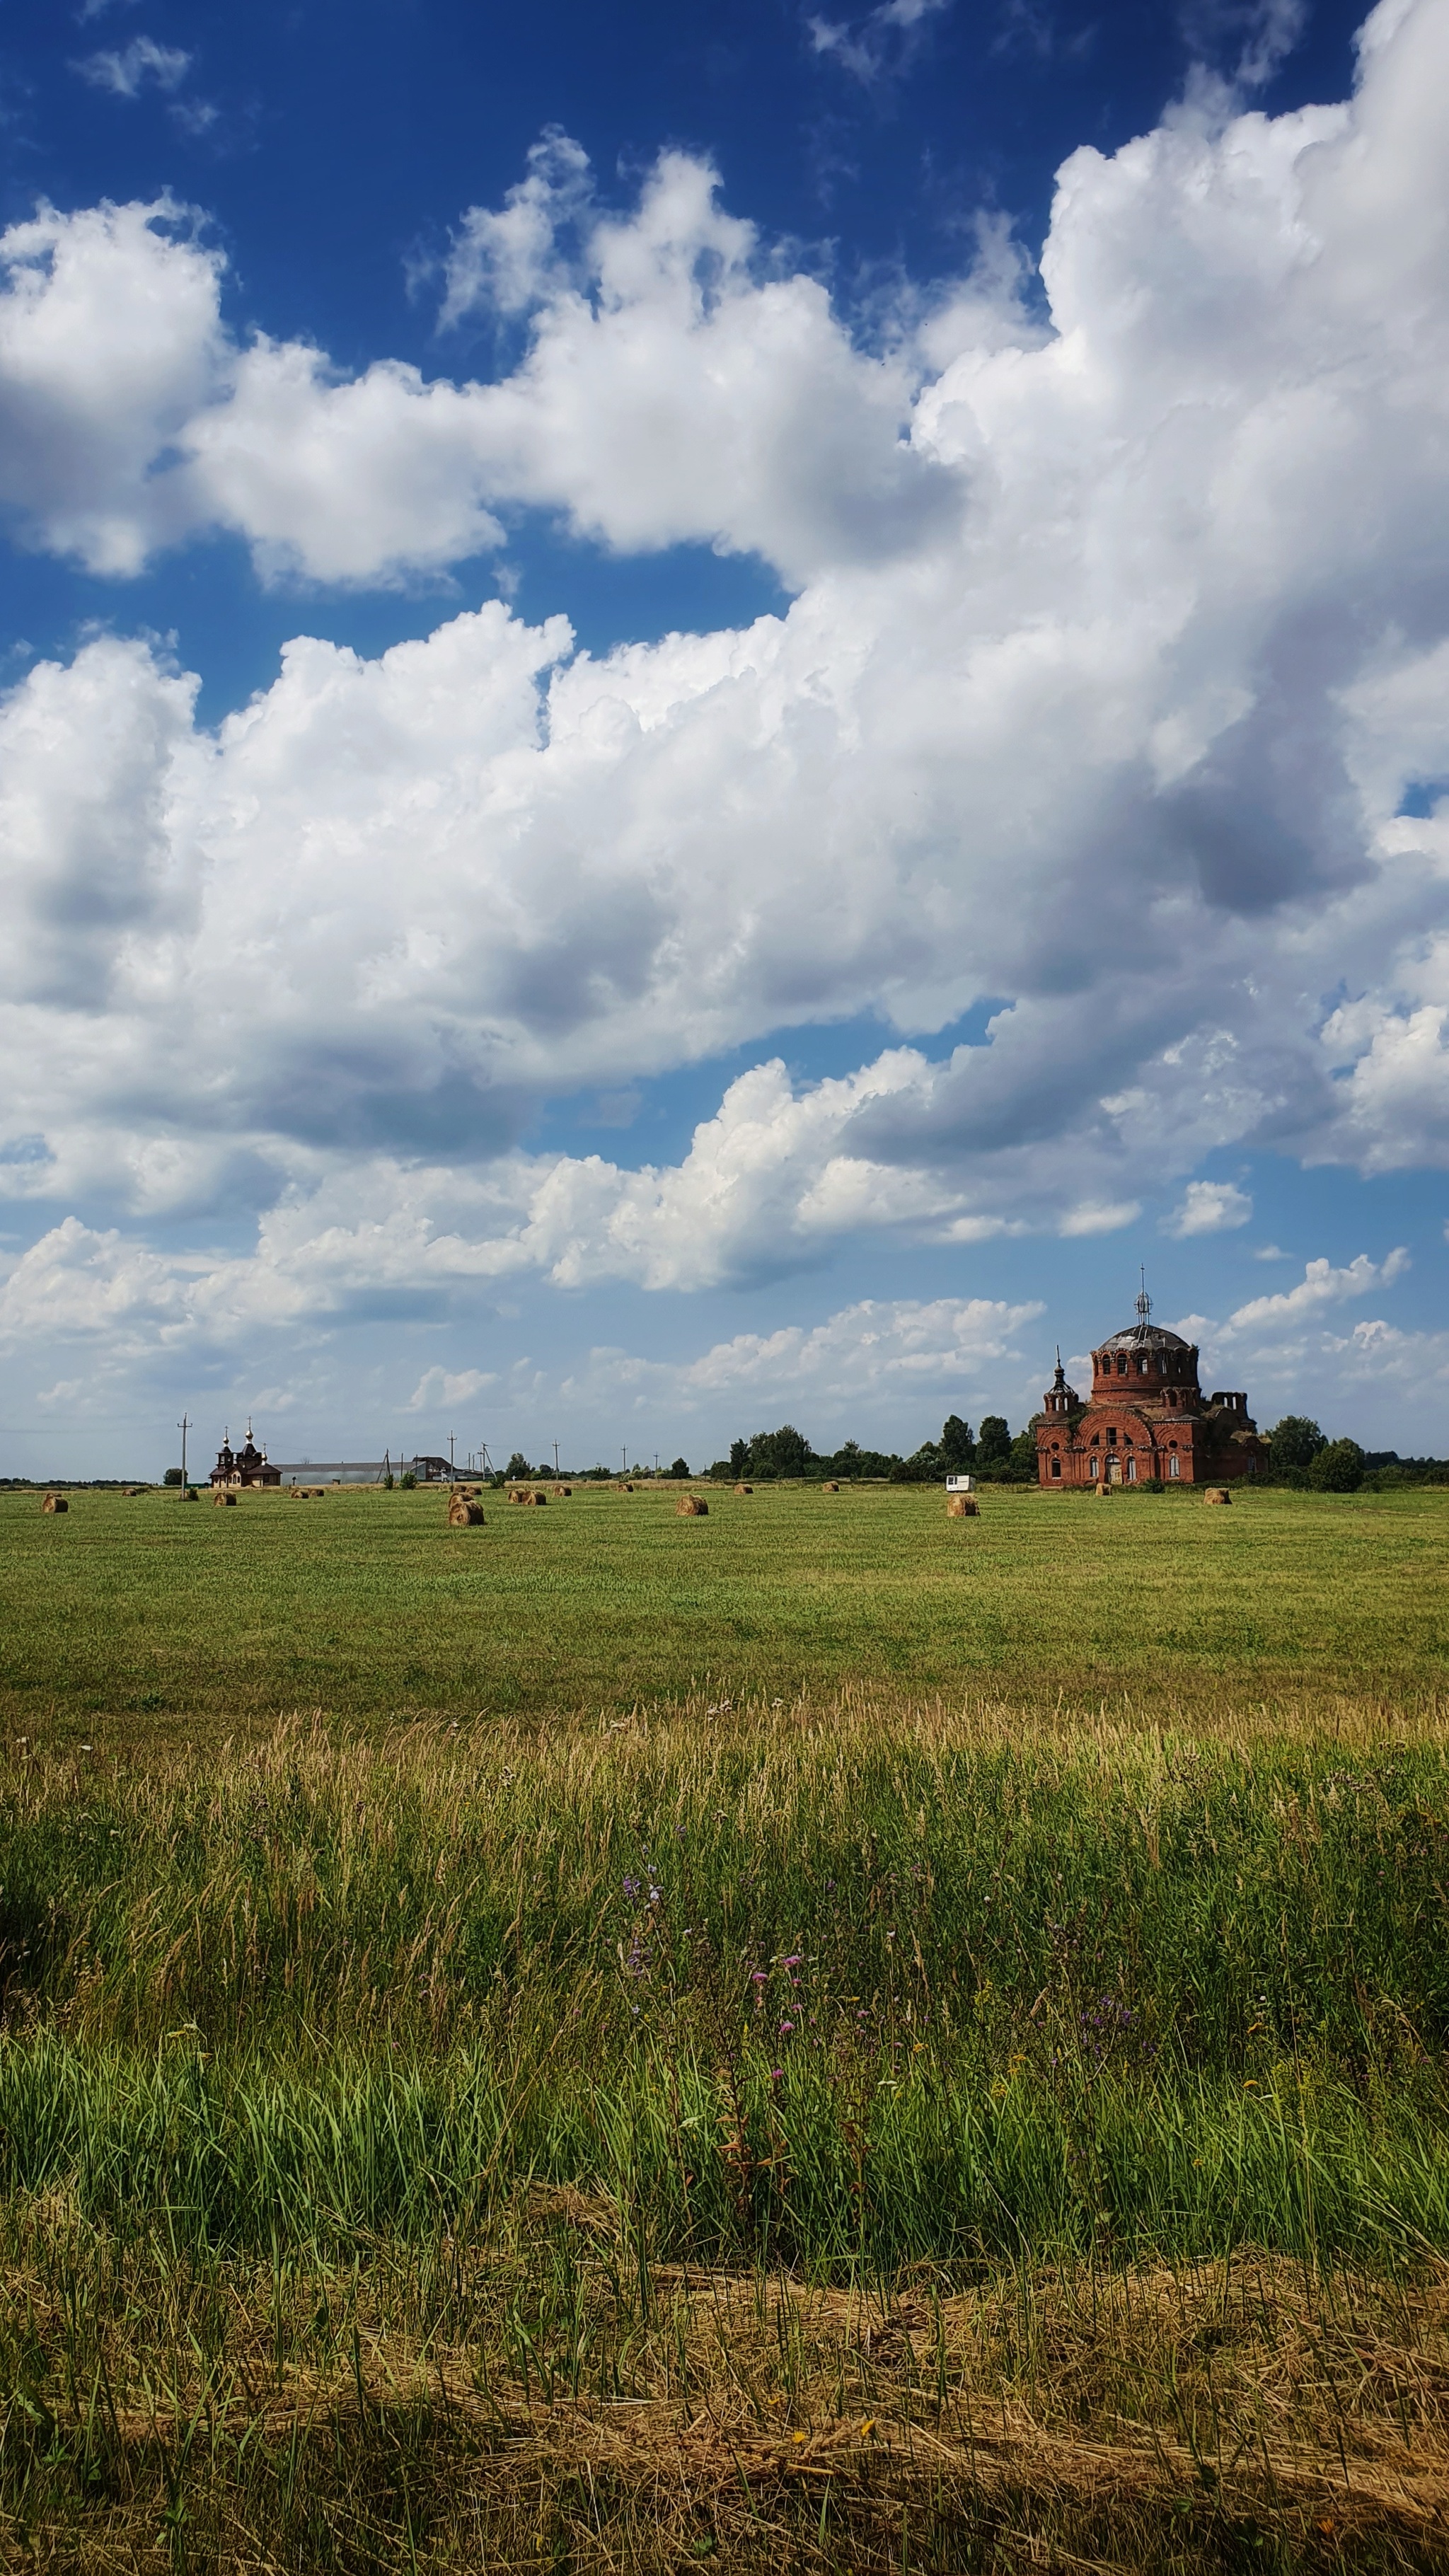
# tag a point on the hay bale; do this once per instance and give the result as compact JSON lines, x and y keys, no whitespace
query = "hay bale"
{"x":227,"y":1501}
{"x":962,"y":1507}
{"x":133,"y":1490}
{"x":691,"y":1507}
{"x":189,"y":1494}
{"x":55,"y":1503}
{"x":538,"y":1498}
{"x":830,"y":1489}
{"x":1217,"y":1494}
{"x":566,"y":1491}
{"x":744,"y":1489}
{"x":464,"y":1511}
{"x":628,"y":1489}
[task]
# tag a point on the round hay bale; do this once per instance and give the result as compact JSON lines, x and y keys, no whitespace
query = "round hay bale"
{"x":226,"y":1500}
{"x":1217,"y":1494}
{"x":962,"y":1507}
{"x":538,"y":1498}
{"x":628,"y":1489}
{"x":565,"y":1492}
{"x":691,"y":1507}
{"x":744,"y":1489}
{"x":54,"y":1503}
{"x":830,"y":1489}
{"x":190,"y":1495}
{"x":465,"y":1512}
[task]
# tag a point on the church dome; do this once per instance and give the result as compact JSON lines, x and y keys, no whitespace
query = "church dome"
{"x":1149,"y":1337}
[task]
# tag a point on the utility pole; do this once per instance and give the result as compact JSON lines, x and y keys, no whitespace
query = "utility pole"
{"x":626,"y":1457}
{"x":555,"y":1457}
{"x":656,"y":1462}
{"x":183,"y":1426}
{"x":451,"y":1438}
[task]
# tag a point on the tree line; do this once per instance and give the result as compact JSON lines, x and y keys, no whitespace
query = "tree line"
{"x":1300,"y":1453}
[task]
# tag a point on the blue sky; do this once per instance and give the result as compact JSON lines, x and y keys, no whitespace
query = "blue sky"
{"x":708,"y":712}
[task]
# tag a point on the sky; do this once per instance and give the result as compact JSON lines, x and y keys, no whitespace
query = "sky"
{"x":710,"y":715}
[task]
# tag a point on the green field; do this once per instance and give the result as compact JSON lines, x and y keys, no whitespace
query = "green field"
{"x":820,"y":2037}
{"x":367,"y":1606}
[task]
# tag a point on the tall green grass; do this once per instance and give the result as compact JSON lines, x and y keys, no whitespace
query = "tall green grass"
{"x":608,"y":2146}
{"x":857,"y":1991}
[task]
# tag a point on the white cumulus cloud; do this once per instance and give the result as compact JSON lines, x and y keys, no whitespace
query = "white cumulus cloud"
{"x":1210,"y":1207}
{"x":1321,"y":1285}
{"x":1116,"y":641}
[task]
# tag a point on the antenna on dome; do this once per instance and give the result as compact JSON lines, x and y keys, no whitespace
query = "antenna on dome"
{"x":1144,"y":1302}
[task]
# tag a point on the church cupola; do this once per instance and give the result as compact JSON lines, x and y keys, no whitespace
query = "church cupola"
{"x":1061,"y":1398}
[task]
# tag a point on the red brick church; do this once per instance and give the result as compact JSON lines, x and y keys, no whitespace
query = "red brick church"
{"x":1146,"y":1419}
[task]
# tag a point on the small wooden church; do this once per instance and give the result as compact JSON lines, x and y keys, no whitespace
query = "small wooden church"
{"x":239,"y":1468}
{"x":1146,"y":1420}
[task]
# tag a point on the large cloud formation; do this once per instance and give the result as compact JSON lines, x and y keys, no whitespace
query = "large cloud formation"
{"x":1118,"y":633}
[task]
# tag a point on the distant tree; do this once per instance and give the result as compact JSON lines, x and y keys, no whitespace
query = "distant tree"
{"x":680,"y":1467}
{"x":993,"y":1444}
{"x":958,"y":1445}
{"x":172,"y":1476}
{"x":852,"y":1460}
{"x":518,"y":1467}
{"x":1338,"y":1468}
{"x":1294,"y":1442}
{"x":1023,"y":1458}
{"x":785,"y":1452}
{"x":388,"y":1480}
{"x":407,"y":1481}
{"x":739,"y":1460}
{"x":921,"y":1468}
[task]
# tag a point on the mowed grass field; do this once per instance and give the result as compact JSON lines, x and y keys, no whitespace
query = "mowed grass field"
{"x":367,"y":1606}
{"x":821,"y":2037}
